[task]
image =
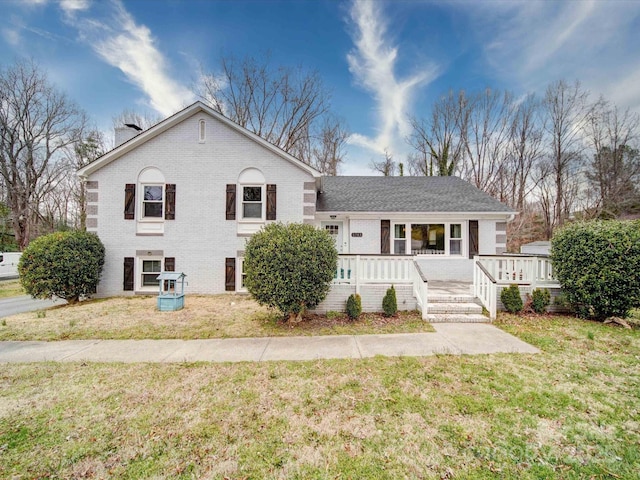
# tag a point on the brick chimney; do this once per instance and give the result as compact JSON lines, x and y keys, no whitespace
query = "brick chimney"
{"x":126,"y":133}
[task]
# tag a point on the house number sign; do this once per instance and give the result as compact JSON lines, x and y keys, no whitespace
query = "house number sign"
{"x":356,"y":234}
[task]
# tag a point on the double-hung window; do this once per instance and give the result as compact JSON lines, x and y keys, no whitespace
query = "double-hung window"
{"x":150,"y":271}
{"x":153,"y":201}
{"x":252,"y":203}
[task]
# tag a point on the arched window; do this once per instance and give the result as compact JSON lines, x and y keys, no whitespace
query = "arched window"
{"x":151,"y":185}
{"x":252,"y":194}
{"x":202,"y":131}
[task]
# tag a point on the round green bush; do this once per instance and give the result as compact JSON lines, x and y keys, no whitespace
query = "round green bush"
{"x":597,"y":265}
{"x":354,"y":306}
{"x":511,"y":299}
{"x":63,"y":264}
{"x":290,"y":267}
{"x":540,"y":300}
{"x":390,"y":302}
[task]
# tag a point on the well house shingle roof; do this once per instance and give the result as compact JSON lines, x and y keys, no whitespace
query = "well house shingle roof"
{"x":404,"y":194}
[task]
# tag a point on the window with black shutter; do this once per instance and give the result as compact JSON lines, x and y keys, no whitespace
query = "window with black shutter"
{"x":170,"y":202}
{"x":385,"y":237}
{"x":230,"y":275}
{"x":271,"y":202}
{"x":231,"y":202}
{"x":129,"y":201}
{"x":128,"y":274}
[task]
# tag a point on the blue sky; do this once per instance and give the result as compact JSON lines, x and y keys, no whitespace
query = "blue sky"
{"x":382,"y":61}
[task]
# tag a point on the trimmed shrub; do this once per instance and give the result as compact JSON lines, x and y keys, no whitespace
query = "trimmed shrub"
{"x":597,"y":264}
{"x":540,"y":300}
{"x":66,"y":265}
{"x":390,"y":303}
{"x":290,"y":267}
{"x":354,"y":306}
{"x":511,"y":299}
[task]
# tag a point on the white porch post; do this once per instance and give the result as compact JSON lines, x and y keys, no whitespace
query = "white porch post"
{"x":358,"y":273}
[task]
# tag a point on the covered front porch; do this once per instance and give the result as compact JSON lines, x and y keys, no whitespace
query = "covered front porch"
{"x":428,"y":286}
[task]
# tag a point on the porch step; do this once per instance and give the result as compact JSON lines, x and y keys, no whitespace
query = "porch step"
{"x":459,"y":298}
{"x":456,"y":318}
{"x":454,"y":308}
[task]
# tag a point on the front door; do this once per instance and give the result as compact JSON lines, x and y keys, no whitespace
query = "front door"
{"x":335,"y":230}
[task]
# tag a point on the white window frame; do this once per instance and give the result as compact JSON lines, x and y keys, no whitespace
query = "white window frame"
{"x":447,"y":237}
{"x":140,"y":287}
{"x":263,"y":204}
{"x":202,"y":131}
{"x":142,"y":216}
{"x":240,"y":275}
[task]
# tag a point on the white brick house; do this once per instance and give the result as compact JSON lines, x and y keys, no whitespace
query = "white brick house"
{"x":186,"y":194}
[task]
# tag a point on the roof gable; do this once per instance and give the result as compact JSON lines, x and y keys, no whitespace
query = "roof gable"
{"x":405,"y":194}
{"x":177,"y":118}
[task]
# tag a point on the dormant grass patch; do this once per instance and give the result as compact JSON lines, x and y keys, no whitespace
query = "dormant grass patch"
{"x":10,"y":288}
{"x":569,"y":412}
{"x":214,"y":316}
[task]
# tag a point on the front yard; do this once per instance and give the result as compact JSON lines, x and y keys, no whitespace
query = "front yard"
{"x":216,"y":316}
{"x":570,"y":412}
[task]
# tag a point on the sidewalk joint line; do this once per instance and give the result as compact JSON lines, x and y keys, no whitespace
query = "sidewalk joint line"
{"x":264,"y":349}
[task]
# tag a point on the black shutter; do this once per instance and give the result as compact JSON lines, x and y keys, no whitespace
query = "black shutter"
{"x":231,"y":201}
{"x":129,"y":201}
{"x":170,"y":202}
{"x":473,"y":238}
{"x":271,"y":202}
{"x":230,"y":275}
{"x":385,"y":237}
{"x":169,"y":266}
{"x":128,"y":274}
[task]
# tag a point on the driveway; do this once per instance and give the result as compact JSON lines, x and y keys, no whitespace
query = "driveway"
{"x":24,"y":303}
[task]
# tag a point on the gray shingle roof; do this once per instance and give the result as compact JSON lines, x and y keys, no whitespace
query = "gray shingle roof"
{"x":404,"y":194}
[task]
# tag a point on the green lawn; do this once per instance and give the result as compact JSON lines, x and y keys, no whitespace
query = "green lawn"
{"x":571,"y":412}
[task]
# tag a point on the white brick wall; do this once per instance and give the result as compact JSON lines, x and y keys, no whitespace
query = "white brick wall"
{"x":371,"y":296}
{"x":487,"y":237}
{"x":369,"y":243}
{"x":199,"y":238}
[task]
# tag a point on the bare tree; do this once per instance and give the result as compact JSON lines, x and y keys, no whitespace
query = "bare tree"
{"x":524,"y":150}
{"x":614,"y":172}
{"x":284,"y":106}
{"x":328,"y":152}
{"x":386,"y":167}
{"x":436,"y":141}
{"x":484,"y":137}
{"x":37,"y":122}
{"x":567,"y":111}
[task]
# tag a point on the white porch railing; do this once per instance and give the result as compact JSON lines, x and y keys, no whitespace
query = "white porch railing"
{"x":485,"y":289}
{"x":420,"y":289}
{"x":492,"y":271}
{"x":519,"y":269}
{"x":357,"y":269}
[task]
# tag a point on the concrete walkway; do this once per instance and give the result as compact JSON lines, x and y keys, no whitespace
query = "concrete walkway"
{"x":449,"y":338}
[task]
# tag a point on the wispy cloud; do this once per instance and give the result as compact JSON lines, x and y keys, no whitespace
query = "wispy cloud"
{"x":72,"y":6}
{"x":11,"y":36}
{"x":372,"y":63}
{"x":534,"y":43}
{"x":131,"y":48}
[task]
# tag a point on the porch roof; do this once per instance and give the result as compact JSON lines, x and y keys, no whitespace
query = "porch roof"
{"x":405,"y":194}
